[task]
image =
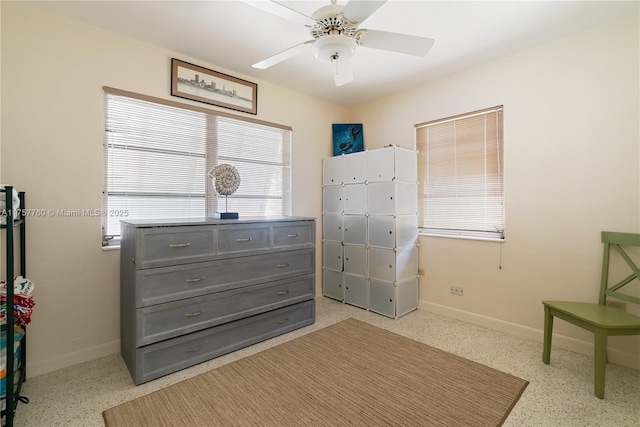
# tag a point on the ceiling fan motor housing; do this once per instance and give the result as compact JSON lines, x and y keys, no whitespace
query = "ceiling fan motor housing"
{"x":336,"y":24}
{"x":327,"y":11}
{"x":334,"y":46}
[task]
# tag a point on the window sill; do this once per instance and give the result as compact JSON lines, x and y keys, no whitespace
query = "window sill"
{"x":458,"y":236}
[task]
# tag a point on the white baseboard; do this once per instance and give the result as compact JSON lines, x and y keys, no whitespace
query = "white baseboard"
{"x":70,"y":359}
{"x":618,"y":357}
{"x":630,"y":360}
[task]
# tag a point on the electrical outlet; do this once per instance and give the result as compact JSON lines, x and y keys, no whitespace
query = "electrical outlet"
{"x":457,"y":290}
{"x":617,"y":305}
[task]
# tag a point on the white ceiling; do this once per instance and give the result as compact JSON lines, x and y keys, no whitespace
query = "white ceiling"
{"x":235,"y":35}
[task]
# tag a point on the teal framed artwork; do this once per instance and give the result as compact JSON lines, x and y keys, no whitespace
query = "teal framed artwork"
{"x":347,"y":138}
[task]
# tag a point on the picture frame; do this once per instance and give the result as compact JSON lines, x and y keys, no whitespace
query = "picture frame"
{"x":200,"y":84}
{"x":347,"y":138}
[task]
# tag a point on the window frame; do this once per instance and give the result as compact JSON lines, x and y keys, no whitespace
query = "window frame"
{"x":211,"y":147}
{"x":455,"y":197}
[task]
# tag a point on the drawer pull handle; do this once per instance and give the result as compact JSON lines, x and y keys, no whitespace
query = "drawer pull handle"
{"x":280,"y":322}
{"x":291,"y":236}
{"x":194,"y":314}
{"x":194,"y":280}
{"x":179,"y":245}
{"x":248,"y":239}
{"x":283,"y":265}
{"x":194,"y":349}
{"x":283,"y":292}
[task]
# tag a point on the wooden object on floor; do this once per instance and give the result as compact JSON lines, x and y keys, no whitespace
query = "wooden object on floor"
{"x":598,"y":318}
{"x":195,"y":289}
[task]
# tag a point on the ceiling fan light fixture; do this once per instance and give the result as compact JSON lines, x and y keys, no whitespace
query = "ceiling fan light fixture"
{"x":333,"y":46}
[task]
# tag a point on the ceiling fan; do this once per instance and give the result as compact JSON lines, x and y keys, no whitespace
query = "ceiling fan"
{"x":336,"y":35}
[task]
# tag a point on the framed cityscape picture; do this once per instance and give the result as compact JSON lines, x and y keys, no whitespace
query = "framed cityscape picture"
{"x":347,"y":138}
{"x":200,"y":84}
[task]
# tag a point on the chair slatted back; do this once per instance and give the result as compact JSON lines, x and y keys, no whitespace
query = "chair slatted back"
{"x":618,"y":241}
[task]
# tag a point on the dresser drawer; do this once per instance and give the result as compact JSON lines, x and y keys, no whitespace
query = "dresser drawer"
{"x":162,"y":358}
{"x":175,"y":245}
{"x":243,"y":239}
{"x":165,"y":284}
{"x":169,"y":320}
{"x":294,"y":235}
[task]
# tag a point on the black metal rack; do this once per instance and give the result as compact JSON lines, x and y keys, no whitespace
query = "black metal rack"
{"x":13,"y":222}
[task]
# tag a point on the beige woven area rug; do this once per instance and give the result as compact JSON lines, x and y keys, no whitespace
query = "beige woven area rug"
{"x":347,"y":374}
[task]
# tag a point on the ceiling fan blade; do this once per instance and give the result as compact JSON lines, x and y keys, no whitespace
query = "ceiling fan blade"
{"x":283,"y":11}
{"x":285,"y":54}
{"x":342,"y":71}
{"x":360,"y":10}
{"x":394,"y":42}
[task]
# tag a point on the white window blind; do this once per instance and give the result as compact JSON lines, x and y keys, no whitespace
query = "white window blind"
{"x":460,"y":168}
{"x":263,"y":161}
{"x":157,"y":154}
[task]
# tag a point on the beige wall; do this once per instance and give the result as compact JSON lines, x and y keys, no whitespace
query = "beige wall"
{"x":572,"y":168}
{"x":53,"y":71}
{"x":585,"y":86}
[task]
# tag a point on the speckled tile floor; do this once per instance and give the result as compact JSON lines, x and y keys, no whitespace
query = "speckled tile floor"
{"x":559,"y":394}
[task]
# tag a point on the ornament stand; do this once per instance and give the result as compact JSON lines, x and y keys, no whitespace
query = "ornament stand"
{"x":226,"y":215}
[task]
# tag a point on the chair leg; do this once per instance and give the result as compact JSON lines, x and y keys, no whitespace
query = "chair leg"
{"x":600,"y":361}
{"x":548,"y":331}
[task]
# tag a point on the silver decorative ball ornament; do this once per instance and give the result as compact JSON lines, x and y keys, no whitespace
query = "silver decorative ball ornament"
{"x":226,"y":179}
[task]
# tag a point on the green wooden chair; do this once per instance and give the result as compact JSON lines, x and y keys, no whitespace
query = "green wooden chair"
{"x":600,"y":319}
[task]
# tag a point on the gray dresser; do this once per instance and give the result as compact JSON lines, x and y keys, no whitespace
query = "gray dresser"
{"x":192,"y":290}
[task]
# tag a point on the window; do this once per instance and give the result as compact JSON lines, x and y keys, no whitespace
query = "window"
{"x":460,"y":170}
{"x":157,"y":154}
